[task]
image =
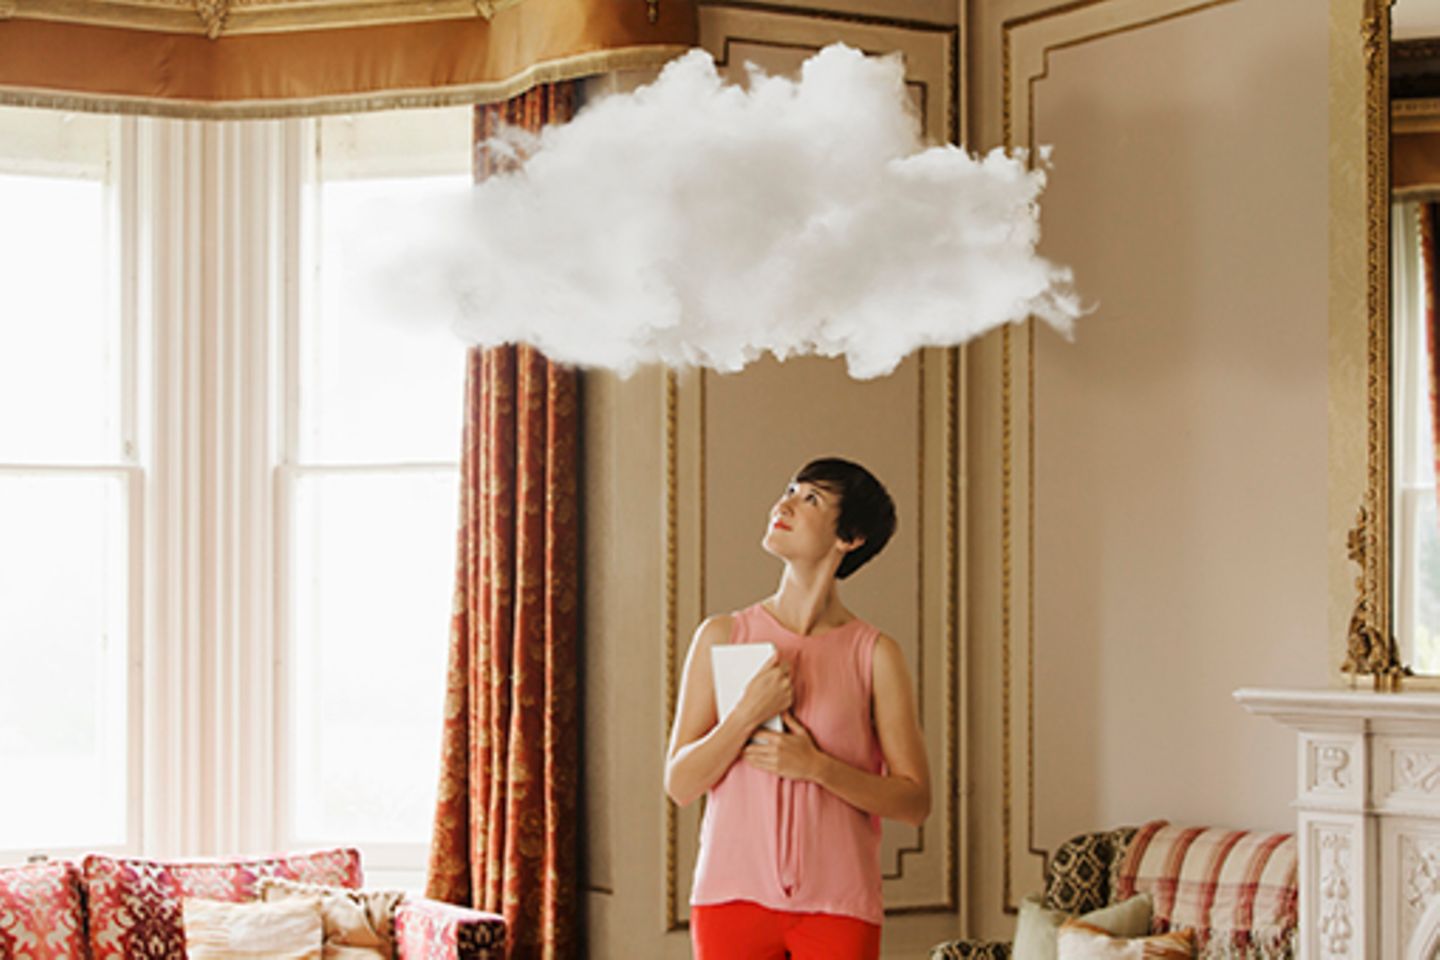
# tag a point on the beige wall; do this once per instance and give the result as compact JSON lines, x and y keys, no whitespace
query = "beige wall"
{"x":1179,"y":443}
{"x":1178,"y":548}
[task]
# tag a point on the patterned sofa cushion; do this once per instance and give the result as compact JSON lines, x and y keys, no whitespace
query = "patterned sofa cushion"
{"x":1081,"y":875}
{"x":429,"y":928}
{"x":971,"y":950}
{"x":41,"y":913}
{"x":135,"y":905}
{"x":1236,"y":888}
{"x":358,"y":924}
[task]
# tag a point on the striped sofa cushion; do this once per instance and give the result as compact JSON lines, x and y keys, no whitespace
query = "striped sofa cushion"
{"x":1236,"y":888}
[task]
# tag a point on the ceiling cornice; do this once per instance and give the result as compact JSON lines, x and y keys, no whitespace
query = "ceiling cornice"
{"x":216,"y":18}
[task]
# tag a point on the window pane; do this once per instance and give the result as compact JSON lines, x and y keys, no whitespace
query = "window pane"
{"x":396,"y":143}
{"x":1425,"y":420}
{"x":373,"y":559}
{"x":59,"y":365}
{"x":63,"y":640}
{"x":373,"y":388}
{"x":1427,"y":582}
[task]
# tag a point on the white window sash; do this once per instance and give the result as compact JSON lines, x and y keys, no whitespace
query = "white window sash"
{"x":119,"y":186}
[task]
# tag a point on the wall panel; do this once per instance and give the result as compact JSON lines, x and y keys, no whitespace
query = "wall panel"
{"x":1154,"y":493}
{"x":686,"y":467}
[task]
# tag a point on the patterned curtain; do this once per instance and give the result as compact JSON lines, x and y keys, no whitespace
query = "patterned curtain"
{"x":505,"y":828}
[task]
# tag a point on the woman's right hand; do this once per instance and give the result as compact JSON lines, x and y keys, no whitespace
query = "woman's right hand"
{"x":769,"y":692}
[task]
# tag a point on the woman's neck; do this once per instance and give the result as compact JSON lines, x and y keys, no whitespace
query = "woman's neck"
{"x":807,"y":603}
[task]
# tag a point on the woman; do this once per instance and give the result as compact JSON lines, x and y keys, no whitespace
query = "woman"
{"x":789,"y":848}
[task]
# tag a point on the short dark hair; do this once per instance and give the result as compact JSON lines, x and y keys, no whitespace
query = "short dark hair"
{"x":866,"y":510}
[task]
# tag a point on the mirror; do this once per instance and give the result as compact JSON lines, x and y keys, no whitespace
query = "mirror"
{"x":1414,"y":372}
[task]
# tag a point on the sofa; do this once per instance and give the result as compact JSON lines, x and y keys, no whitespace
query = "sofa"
{"x":118,"y":908}
{"x":1237,"y":889}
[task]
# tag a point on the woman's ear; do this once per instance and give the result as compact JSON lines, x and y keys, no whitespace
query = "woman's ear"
{"x":848,"y":546}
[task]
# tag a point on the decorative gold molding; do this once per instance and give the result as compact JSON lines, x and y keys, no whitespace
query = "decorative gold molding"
{"x":899,"y":870}
{"x":1418,"y":115}
{"x":952,"y":123}
{"x":723,"y":61}
{"x":955,"y":33}
{"x":214,"y":18}
{"x":550,"y":71}
{"x":1368,"y":651}
{"x":948,"y":99}
{"x":1370,"y":645}
{"x":1009,"y":30}
{"x":1007,"y":471}
{"x":956,"y":755}
{"x":1425,"y":49}
{"x":488,"y":8}
{"x":212,"y":14}
{"x":671,"y":635}
{"x":949,"y":618}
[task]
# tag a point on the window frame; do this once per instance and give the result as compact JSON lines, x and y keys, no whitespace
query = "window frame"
{"x":1409,"y":292}
{"x":396,"y":864}
{"x":119,"y":185}
{"x":208,"y":346}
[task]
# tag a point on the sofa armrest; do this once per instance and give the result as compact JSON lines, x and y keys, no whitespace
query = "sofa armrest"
{"x":971,"y":950}
{"x":431,"y":930}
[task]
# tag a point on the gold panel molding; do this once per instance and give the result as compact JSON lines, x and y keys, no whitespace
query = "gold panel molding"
{"x":933,"y":65}
{"x":1027,"y":44}
{"x":938,"y":426}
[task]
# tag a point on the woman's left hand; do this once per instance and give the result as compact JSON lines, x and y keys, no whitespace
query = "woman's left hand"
{"x":791,"y":755}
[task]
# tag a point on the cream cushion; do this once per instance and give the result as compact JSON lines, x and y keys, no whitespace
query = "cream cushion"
{"x":219,"y":930}
{"x":358,"y":924}
{"x":1079,"y":940}
{"x":1038,"y":925}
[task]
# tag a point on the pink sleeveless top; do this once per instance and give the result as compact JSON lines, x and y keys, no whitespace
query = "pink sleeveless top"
{"x":790,"y":844}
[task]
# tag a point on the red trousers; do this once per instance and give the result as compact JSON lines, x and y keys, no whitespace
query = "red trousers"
{"x":740,"y":930}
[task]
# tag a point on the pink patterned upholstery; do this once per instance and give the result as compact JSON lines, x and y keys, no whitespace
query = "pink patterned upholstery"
{"x":1236,"y":888}
{"x":428,"y":928}
{"x":41,"y":915}
{"x":135,"y":904}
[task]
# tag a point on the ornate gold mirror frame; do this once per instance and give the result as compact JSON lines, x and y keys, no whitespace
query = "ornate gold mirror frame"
{"x":1370,"y":647}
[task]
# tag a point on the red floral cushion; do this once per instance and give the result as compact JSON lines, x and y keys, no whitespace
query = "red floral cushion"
{"x":428,"y":930}
{"x":135,"y":905}
{"x":41,"y":916}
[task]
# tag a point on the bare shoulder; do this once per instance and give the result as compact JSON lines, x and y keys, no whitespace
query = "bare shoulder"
{"x":714,"y":630}
{"x":887,"y":647}
{"x":888,"y":660}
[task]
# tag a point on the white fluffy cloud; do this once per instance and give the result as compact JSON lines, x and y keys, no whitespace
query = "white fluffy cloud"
{"x":695,"y":222}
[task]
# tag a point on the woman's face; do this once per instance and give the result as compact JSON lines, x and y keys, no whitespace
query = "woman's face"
{"x":802,"y":523}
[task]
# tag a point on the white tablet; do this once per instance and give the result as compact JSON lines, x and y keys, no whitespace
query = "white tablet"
{"x":733,"y":664}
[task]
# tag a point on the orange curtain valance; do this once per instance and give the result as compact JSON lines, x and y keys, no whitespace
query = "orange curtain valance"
{"x":274,"y":70}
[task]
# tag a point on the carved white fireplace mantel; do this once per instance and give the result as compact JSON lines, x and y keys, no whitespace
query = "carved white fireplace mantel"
{"x":1367,"y":819}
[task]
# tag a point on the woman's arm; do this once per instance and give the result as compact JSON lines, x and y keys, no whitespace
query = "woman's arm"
{"x":700,"y":749}
{"x":903,"y":793}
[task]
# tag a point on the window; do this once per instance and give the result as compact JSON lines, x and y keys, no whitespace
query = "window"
{"x":370,"y":476}
{"x":1417,"y":521}
{"x":228,"y":490}
{"x":70,"y":490}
